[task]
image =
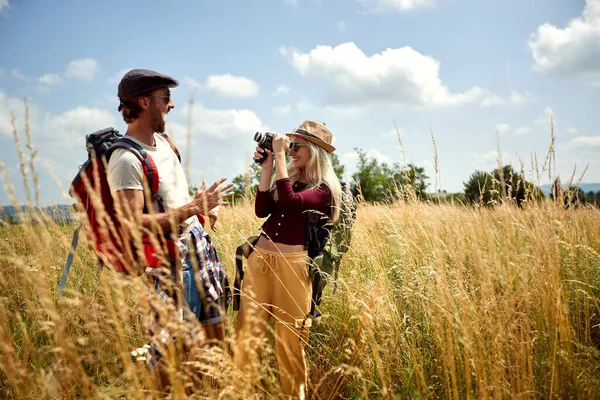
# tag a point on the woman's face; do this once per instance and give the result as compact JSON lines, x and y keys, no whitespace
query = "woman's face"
{"x":299,"y":152}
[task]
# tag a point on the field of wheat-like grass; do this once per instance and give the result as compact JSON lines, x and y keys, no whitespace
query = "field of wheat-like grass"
{"x":433,"y":301}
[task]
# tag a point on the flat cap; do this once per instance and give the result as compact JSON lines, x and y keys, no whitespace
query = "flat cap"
{"x":138,"y":82}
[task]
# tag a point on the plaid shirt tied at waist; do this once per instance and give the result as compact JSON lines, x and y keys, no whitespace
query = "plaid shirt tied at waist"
{"x":209,"y":266}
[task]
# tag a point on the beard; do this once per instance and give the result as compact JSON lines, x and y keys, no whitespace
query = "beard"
{"x":157,"y":121}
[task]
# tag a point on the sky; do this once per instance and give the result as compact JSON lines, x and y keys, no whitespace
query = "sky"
{"x":463,"y":81}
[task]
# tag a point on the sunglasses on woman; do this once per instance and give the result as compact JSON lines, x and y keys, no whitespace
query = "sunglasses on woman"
{"x":296,"y":146}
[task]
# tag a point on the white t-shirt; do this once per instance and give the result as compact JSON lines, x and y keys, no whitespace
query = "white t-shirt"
{"x":125,"y":172}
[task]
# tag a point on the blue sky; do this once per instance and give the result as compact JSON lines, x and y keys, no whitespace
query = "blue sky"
{"x":482,"y":75}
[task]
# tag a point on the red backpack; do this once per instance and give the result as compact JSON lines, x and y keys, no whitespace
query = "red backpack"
{"x":101,"y":225}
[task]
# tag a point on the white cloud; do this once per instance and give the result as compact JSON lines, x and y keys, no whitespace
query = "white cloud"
{"x":290,"y":2}
{"x":489,"y":160}
{"x":16,"y":106}
{"x":543,"y":121}
{"x":116,"y":78}
{"x":502,"y":129}
{"x":178,"y":134}
{"x":540,"y":124}
{"x":224,"y":124}
{"x":111,"y":99}
{"x":570,"y":51}
{"x":571,"y":131}
{"x":281,"y":110}
{"x":17,"y":74}
{"x":522,"y":130}
{"x":50,"y":79}
{"x":398,"y":77}
{"x":396,"y":5}
{"x":345,"y":112}
{"x":70,"y":127}
{"x":66,"y":129}
{"x":518,"y":99}
{"x":393,"y":134}
{"x":282,"y":90}
{"x":4,"y":4}
{"x":232,"y":86}
{"x":350,"y":159}
{"x":192,"y":82}
{"x":83,"y":69}
{"x":341,"y":25}
{"x":283,"y":51}
{"x":585,"y":141}
{"x":304,"y":105}
{"x":515,"y":99}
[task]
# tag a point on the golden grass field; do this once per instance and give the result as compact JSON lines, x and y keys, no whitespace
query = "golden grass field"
{"x":440,"y":301}
{"x":433,"y":301}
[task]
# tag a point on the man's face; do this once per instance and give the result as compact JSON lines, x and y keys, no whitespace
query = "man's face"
{"x":160,"y":105}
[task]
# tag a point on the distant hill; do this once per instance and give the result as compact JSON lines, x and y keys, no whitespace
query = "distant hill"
{"x":60,"y":213}
{"x":586,"y":187}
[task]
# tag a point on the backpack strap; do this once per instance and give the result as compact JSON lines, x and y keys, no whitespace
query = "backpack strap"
{"x":63,"y":279}
{"x":168,"y":139}
{"x":148,"y":166}
{"x":243,"y":250}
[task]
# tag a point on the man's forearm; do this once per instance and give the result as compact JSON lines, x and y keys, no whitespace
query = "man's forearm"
{"x":167,"y":220}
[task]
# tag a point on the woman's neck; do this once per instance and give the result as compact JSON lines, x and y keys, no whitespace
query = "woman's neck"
{"x":302,"y":178}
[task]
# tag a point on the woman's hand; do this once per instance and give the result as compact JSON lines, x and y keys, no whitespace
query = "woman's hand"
{"x":280,"y":144}
{"x":268,"y":162}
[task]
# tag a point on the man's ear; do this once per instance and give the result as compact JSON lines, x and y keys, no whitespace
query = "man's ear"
{"x":144,"y":102}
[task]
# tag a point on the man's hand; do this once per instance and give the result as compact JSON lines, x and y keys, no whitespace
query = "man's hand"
{"x":207,"y":199}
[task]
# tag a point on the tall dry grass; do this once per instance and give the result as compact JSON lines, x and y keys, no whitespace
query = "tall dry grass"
{"x":433,"y":301}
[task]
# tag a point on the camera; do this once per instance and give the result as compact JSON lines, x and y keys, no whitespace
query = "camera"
{"x":265,"y":141}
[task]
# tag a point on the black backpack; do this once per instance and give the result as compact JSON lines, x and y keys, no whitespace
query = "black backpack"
{"x":326,"y":243}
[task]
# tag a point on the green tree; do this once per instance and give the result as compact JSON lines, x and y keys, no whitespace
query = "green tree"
{"x":501,"y":184}
{"x":247,"y":184}
{"x":369,"y":177}
{"x":572,"y":196}
{"x":415,"y":180}
{"x":337,"y":166}
{"x":378,"y":182}
{"x":480,"y":188}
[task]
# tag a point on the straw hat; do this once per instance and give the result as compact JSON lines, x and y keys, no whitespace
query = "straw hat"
{"x":315,"y":132}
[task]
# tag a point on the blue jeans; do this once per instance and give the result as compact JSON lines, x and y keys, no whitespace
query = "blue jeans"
{"x":206,"y":310}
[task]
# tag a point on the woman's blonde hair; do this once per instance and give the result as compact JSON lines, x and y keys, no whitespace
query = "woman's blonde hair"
{"x":318,"y":171}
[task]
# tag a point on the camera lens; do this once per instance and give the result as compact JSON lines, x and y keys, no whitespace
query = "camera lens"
{"x":259,"y":137}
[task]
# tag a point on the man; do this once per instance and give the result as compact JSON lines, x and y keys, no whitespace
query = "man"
{"x":145,"y":101}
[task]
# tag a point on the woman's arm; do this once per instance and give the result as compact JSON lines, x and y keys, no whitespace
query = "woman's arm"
{"x":264,"y":203}
{"x":310,"y":199}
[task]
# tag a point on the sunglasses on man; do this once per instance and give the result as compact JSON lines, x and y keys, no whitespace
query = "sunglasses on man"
{"x":167,"y":96}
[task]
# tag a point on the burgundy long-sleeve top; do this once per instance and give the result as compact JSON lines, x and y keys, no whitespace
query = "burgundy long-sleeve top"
{"x":288,"y":216}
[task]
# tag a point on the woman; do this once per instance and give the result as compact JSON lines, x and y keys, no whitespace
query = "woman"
{"x":276,"y":280}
